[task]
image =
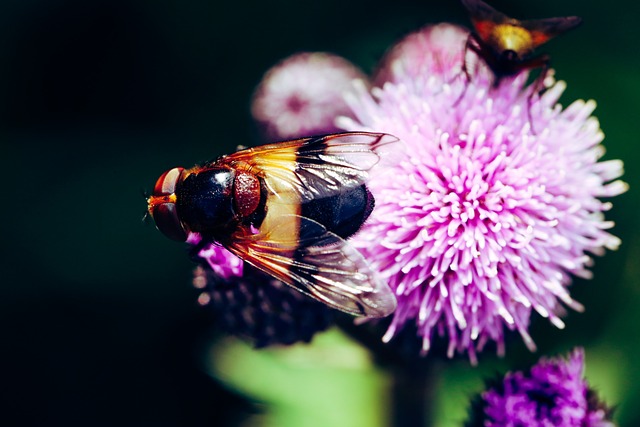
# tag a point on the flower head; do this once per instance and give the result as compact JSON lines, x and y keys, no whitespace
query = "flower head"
{"x":303,"y":95}
{"x":494,"y":203}
{"x":552,"y":393}
{"x":424,"y":53}
{"x":248,"y":303}
{"x":481,"y":219}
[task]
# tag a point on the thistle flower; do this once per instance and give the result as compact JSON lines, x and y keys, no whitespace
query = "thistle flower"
{"x":248,"y":303}
{"x":493,"y":217}
{"x":302,"y":95}
{"x":424,"y":53}
{"x":552,"y":393}
{"x":492,"y":206}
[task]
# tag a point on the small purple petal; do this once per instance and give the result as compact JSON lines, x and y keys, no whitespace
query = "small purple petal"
{"x":225,"y":264}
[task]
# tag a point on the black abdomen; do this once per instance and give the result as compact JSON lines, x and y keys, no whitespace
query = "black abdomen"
{"x":342,"y":214}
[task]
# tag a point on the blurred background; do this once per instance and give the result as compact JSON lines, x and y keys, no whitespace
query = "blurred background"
{"x":98,"y":319}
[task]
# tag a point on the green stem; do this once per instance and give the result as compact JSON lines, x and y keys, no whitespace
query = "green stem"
{"x":414,"y":378}
{"x":412,"y":394}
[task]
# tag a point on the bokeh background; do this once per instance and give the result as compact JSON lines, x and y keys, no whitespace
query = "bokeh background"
{"x":99,"y":325}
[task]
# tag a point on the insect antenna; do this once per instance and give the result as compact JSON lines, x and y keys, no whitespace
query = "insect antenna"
{"x":145,"y":215}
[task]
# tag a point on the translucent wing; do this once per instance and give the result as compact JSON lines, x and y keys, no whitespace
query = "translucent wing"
{"x":543,"y":30}
{"x":317,"y":263}
{"x":312,"y":168}
{"x":483,"y":12}
{"x":484,"y":17}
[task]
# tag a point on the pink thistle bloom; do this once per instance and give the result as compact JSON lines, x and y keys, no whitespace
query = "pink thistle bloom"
{"x":423,"y":53}
{"x":302,"y":95}
{"x":493,"y":204}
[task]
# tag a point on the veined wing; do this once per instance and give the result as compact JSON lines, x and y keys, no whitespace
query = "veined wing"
{"x":317,"y":263}
{"x":312,"y":168}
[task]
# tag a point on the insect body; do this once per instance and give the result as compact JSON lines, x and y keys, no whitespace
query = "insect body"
{"x":286,"y":208}
{"x":506,"y":44}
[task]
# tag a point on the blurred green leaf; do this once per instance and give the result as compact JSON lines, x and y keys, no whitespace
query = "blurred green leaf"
{"x":330,"y":382}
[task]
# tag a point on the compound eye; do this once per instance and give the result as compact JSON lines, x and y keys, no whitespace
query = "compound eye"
{"x":167,"y":183}
{"x":162,"y":205}
{"x":166,"y":218}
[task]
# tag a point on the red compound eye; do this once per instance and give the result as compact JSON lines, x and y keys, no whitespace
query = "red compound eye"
{"x":166,"y":217}
{"x":168,"y":181}
{"x":162,"y":205}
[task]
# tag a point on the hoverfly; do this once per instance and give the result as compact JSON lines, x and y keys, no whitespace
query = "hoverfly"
{"x":506,"y":44}
{"x":286,"y":208}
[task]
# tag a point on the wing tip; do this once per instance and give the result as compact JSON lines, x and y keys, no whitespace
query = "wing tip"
{"x":387,"y":138}
{"x":377,"y":303}
{"x":383,"y":305}
{"x":381,"y":140}
{"x":478,"y":8}
{"x":574,"y":21}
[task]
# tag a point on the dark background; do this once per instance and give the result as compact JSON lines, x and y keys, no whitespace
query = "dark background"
{"x":98,"y":321}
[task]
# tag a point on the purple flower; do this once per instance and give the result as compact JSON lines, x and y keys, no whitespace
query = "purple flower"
{"x":222,"y":262}
{"x":481,"y":219}
{"x":424,"y":53}
{"x":302,"y":95}
{"x":552,"y":393}
{"x":494,"y":203}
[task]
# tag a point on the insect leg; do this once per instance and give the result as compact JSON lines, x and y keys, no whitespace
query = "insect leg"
{"x":475,"y":45}
{"x":465,"y":70}
{"x":542,"y":62}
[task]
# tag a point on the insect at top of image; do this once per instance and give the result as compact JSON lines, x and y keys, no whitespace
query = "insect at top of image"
{"x":287,"y":209}
{"x":506,"y":44}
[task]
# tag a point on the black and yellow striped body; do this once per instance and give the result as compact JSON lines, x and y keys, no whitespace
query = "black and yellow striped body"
{"x":286,"y":208}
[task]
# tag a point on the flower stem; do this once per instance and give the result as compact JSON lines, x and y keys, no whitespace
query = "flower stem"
{"x":413,"y":377}
{"x":412,"y":394}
